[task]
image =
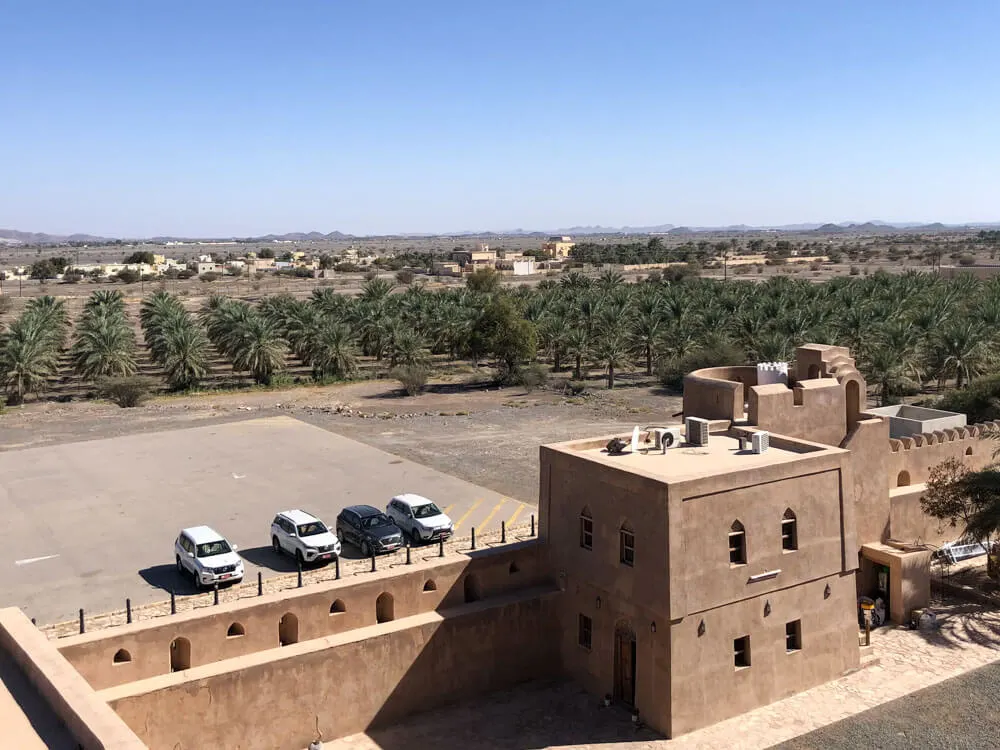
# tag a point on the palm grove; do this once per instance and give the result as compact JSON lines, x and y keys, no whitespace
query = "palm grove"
{"x":907,"y":330}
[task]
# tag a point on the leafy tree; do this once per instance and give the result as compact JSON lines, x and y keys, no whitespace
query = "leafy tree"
{"x":140,"y":256}
{"x":265,"y":252}
{"x":483,"y":281}
{"x":508,"y":336}
{"x":43,"y":269}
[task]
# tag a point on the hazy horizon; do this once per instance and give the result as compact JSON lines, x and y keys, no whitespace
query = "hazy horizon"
{"x":222,"y":119}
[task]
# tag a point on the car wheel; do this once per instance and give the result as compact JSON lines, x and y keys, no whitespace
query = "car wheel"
{"x":366,"y":551}
{"x":180,"y":567}
{"x":415,"y":536}
{"x":340,"y":535}
{"x":275,"y":545}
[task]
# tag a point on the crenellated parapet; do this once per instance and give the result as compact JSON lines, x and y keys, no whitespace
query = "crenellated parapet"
{"x":912,"y":458}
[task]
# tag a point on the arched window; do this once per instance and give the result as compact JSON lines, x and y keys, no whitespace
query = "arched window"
{"x":626,"y":544}
{"x":337,"y":607}
{"x":180,"y":654}
{"x":903,"y":479}
{"x":430,"y":585}
{"x":122,"y":657}
{"x":789,"y":531}
{"x":236,"y":630}
{"x":513,"y":568}
{"x":968,"y":451}
{"x":384,"y":608}
{"x":288,"y":629}
{"x":586,"y":529}
{"x":737,"y":544}
{"x":472,"y":591}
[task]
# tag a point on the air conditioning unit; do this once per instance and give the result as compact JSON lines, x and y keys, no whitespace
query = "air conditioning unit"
{"x":760,"y":441}
{"x":697,"y":430}
{"x":664,"y":437}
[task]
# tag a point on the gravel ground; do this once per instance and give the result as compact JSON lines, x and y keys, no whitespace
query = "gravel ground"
{"x":958,"y":714}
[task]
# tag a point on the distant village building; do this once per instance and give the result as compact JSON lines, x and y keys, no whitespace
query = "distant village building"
{"x":558,"y":247}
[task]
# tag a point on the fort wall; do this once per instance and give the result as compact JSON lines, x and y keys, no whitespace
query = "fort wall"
{"x":718,"y":392}
{"x":346,"y":683}
{"x":257,"y":624}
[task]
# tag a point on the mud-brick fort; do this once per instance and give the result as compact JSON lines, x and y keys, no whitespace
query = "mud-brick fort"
{"x":692,"y":572}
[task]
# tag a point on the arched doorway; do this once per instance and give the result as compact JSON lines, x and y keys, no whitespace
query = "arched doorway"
{"x":384,"y":608}
{"x":288,"y":629}
{"x":180,"y":654}
{"x":903,"y":479}
{"x":472,"y":590}
{"x":625,"y":664}
{"x":853,"y":393}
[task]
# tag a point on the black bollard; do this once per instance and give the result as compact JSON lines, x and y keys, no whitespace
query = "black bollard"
{"x":215,"y":594}
{"x":473,"y":537}
{"x":503,"y":532}
{"x":441,"y":547}
{"x":82,"y":628}
{"x":299,"y":567}
{"x":336,"y":567}
{"x":260,"y":583}
{"x":408,"y":561}
{"x":128,"y":611}
{"x":532,"y":524}
{"x":33,"y":621}
{"x":173,"y":602}
{"x":373,"y":562}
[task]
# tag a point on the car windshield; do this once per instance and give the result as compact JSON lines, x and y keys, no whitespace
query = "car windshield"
{"x":312,"y":529}
{"x":372,"y":521}
{"x":426,"y":511}
{"x":208,"y":549}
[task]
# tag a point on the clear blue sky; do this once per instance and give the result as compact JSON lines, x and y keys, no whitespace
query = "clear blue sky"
{"x":214,"y":117}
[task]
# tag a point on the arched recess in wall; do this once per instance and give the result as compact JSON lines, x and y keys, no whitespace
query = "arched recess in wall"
{"x":814,"y":372}
{"x":385,"y":608}
{"x":288,"y":629}
{"x":903,"y":479}
{"x":473,"y":592}
{"x":122,"y":657}
{"x":853,"y":398}
{"x":338,"y":607}
{"x":430,"y":585}
{"x":968,"y":451}
{"x":180,"y":654}
{"x":236,"y":630}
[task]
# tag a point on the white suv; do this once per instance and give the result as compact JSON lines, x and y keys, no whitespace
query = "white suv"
{"x":420,"y":518}
{"x":206,"y":556}
{"x":303,"y":535}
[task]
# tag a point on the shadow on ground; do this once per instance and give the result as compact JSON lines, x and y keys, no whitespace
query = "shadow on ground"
{"x":166,"y":578}
{"x":535,"y":715}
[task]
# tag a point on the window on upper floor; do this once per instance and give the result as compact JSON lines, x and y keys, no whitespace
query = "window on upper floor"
{"x":627,"y":543}
{"x":737,"y":544}
{"x":793,"y":636}
{"x":586,"y":632}
{"x":586,"y":529}
{"x":789,"y":531}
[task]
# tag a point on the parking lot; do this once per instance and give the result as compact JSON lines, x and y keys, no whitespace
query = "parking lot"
{"x":91,"y":523}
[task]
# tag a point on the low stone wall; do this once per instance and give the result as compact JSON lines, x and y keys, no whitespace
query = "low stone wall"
{"x":88,"y":718}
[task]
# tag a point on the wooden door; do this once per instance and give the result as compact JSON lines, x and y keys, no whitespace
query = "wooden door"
{"x":625,"y":667}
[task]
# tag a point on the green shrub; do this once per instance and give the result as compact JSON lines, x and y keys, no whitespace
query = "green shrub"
{"x":533,"y":376}
{"x":127,"y":392}
{"x":855,"y":270}
{"x":575,"y":387}
{"x":980,"y":401}
{"x":210,"y":276}
{"x":128,"y":276}
{"x":967,"y":260}
{"x":405,"y":276}
{"x":413,"y":378}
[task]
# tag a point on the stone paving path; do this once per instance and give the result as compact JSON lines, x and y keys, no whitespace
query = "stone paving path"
{"x":968,"y":637}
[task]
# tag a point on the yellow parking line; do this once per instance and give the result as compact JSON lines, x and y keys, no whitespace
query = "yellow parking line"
{"x":520,"y":507}
{"x":493,"y":512}
{"x":466,"y":514}
{"x":447,"y":510}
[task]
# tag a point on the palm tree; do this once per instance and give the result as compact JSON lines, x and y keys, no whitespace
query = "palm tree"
{"x":257,"y":347}
{"x":612,"y":350}
{"x":959,"y":349}
{"x":27,"y":359}
{"x":645,"y":328}
{"x":376,"y":290}
{"x":578,"y":347}
{"x":186,"y":355}
{"x":332,"y":352}
{"x":104,"y":347}
{"x":406,"y":347}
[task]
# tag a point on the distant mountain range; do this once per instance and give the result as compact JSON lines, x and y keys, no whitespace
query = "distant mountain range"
{"x":14,"y":237}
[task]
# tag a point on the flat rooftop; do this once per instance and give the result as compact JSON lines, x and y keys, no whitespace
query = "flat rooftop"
{"x":722,"y":455}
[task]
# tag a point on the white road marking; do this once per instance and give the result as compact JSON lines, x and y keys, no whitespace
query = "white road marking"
{"x":238,"y":476}
{"x":29,"y":560}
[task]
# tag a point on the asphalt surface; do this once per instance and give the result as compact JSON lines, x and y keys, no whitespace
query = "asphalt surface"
{"x":90,"y":523}
{"x":958,"y":714}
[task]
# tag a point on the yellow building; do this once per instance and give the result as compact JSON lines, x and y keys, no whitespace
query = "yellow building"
{"x":558,"y":247}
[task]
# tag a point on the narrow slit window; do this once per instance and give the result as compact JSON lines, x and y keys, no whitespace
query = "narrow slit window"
{"x":627,"y":547}
{"x":789,"y":531}
{"x":793,"y":636}
{"x":737,"y":544}
{"x":586,"y":530}
{"x":741,"y":652}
